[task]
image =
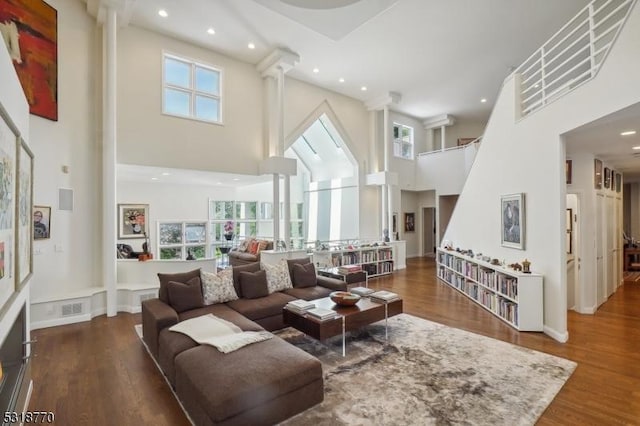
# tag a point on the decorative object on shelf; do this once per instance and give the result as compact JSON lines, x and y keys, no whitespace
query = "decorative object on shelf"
{"x":486,"y":258}
{"x":146,"y":254}
{"x":190,"y":255}
{"x":132,"y":220}
{"x":228,"y":230}
{"x":525,"y":266}
{"x":409,"y":222}
{"x":568,"y":171}
{"x":597,"y":174}
{"x":495,"y":262}
{"x":344,"y":298}
{"x":385,"y":234}
{"x":41,"y":222}
{"x":516,"y":267}
{"x":512,"y":229}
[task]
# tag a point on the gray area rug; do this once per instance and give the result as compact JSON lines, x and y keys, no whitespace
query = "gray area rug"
{"x":429,"y":374}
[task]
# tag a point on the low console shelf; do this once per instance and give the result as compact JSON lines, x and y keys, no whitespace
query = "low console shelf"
{"x":514,"y":297}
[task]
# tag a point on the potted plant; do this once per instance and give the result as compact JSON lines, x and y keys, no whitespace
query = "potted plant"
{"x":228,"y":230}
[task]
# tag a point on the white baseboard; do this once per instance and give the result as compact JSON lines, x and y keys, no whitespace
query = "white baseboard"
{"x":35,"y":325}
{"x":556,"y":335}
{"x":590,"y":310}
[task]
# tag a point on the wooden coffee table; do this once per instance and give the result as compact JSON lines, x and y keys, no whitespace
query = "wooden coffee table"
{"x":349,"y":318}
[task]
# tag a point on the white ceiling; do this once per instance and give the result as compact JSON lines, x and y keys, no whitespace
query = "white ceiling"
{"x":164,"y":175}
{"x":442,"y":56}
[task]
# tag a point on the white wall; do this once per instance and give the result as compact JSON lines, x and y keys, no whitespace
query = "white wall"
{"x":445,"y":171}
{"x":527,"y":157}
{"x":461,"y":129}
{"x":71,"y":141}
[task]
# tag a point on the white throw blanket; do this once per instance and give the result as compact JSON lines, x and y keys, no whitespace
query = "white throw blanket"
{"x":214,"y":331}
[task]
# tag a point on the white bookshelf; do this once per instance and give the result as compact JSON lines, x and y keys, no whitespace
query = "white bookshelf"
{"x":514,"y":297}
{"x":375,"y":260}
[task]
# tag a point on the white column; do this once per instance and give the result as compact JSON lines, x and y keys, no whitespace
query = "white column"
{"x":385,"y":219}
{"x":286,"y":214}
{"x":390,"y":211}
{"x":442,"y":138}
{"x":383,"y":206}
{"x":109,"y":140}
{"x":276,"y":209}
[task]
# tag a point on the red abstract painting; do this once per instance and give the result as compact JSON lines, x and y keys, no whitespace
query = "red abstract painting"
{"x":30,"y":31}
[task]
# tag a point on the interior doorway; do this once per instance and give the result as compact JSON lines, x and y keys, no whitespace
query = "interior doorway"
{"x":572,"y":243}
{"x":428,"y":231}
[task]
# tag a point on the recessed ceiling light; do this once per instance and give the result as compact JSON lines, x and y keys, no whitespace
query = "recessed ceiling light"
{"x":363,"y":88}
{"x":163,"y":13}
{"x":483,"y":100}
{"x":166,"y":173}
{"x":636,"y":147}
{"x":218,"y":183}
{"x":154,"y":178}
{"x":211,"y":31}
{"x":341,"y":80}
{"x":316,"y":70}
{"x":251,"y":46}
{"x":628,"y":133}
{"x":236,"y":179}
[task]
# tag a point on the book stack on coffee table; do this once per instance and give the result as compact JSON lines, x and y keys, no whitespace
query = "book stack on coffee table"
{"x":300,"y":306}
{"x":322,"y":314}
{"x":384,"y":296}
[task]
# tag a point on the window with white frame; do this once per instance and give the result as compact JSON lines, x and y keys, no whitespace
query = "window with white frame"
{"x":240,"y":216}
{"x":191,"y":89}
{"x":402,"y":141}
{"x":182,"y":240}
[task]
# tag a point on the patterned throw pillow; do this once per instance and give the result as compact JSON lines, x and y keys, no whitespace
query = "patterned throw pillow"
{"x":278,"y":278}
{"x":244,"y":245}
{"x":218,"y":288}
{"x":262,"y":245}
{"x":253,"y":247}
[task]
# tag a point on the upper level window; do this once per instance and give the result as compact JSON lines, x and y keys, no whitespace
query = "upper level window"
{"x":402,"y":141}
{"x":191,"y":89}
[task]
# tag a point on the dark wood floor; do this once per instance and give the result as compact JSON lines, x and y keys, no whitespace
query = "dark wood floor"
{"x":98,"y":373}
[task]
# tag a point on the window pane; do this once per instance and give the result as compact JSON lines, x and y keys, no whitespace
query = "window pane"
{"x":199,"y":252}
{"x":396,"y":149}
{"x":170,"y":233}
{"x":171,"y":253}
{"x":195,"y":233}
{"x":207,"y":108}
{"x":177,"y":102}
{"x":207,"y":81}
{"x":223,"y":210}
{"x":396,"y":132}
{"x":246,"y":209}
{"x":177,"y":73}
{"x":246,"y":229}
{"x":405,"y":132}
{"x":266,"y":210}
{"x":217,"y":229}
{"x":406,"y":150}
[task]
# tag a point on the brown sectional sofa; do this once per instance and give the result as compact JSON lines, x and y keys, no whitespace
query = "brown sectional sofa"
{"x":261,"y":383}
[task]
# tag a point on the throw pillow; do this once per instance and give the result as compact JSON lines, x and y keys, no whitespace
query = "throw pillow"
{"x":218,"y":288}
{"x":262,"y":245}
{"x":278,"y":278}
{"x":253,"y":247}
{"x":243,"y":246}
{"x":185,"y":296}
{"x":254,"y":284}
{"x":304,"y":275}
{"x":249,"y":267}
{"x":181,"y":277}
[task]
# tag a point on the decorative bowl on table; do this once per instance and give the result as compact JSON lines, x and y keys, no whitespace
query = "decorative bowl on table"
{"x":344,"y":298}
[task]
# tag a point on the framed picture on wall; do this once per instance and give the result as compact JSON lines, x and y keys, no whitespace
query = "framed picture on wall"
{"x":568,"y":171}
{"x":41,"y":222}
{"x":25,"y":204}
{"x":607,"y":177}
{"x":8,"y":187}
{"x":409,"y":222}
{"x":132,"y":220}
{"x":618,"y":182}
{"x":512,"y":221}
{"x":597,"y":174}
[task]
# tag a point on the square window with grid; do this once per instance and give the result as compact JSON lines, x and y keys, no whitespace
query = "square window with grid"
{"x":402,"y":141}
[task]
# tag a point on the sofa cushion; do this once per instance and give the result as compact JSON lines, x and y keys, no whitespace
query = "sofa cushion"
{"x":262,"y":245}
{"x":246,"y":256}
{"x":225,"y":312}
{"x":250,"y":267}
{"x":263,"y":307}
{"x":277,"y":276}
{"x":254,"y":284}
{"x":262,"y":372}
{"x":185,"y":296}
{"x":304,"y":275}
{"x":218,"y":288}
{"x":181,"y":277}
{"x":309,"y":293}
{"x":301,"y":260}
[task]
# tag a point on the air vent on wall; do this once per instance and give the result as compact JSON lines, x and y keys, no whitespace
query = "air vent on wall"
{"x":65,"y":199}
{"x":71,"y":309}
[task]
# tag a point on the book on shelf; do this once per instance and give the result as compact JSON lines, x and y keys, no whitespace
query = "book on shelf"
{"x":322,"y":313}
{"x":300,"y":305}
{"x":348,"y":269}
{"x":384,"y":296}
{"x":361,"y":291}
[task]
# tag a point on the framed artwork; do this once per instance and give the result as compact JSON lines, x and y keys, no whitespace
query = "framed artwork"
{"x":465,"y":141}
{"x":618,"y":182}
{"x":394,"y":223}
{"x":597,"y":174}
{"x":512,"y":227}
{"x":24,"y":214}
{"x":35,"y":57}
{"x":568,"y":171}
{"x":569,"y":225}
{"x":132,"y":220}
{"x":409,"y":222}
{"x":607,"y":177}
{"x":8,"y":171}
{"x":41,"y":222}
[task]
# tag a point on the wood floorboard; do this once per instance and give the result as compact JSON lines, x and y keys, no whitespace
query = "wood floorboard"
{"x":98,"y":372}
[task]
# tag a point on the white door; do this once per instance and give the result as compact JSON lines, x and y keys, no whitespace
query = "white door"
{"x":601,"y":294}
{"x":610,"y":224}
{"x":428,"y":230}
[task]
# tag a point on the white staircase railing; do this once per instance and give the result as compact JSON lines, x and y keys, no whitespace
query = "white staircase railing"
{"x":573,"y":55}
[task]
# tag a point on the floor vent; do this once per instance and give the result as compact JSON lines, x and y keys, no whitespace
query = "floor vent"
{"x":71,"y":309}
{"x":147,"y":296}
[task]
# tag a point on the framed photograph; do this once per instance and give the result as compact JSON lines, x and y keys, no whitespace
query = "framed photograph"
{"x":41,"y":222}
{"x":607,"y":177}
{"x":512,"y":227}
{"x":568,"y":171}
{"x":24,"y":213}
{"x":597,"y":174}
{"x":618,"y":182}
{"x":132,"y":220}
{"x":409,"y":222}
{"x":394,"y":223}
{"x":8,"y":187}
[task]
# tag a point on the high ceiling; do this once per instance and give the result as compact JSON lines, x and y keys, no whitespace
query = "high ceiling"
{"x":442,"y":56}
